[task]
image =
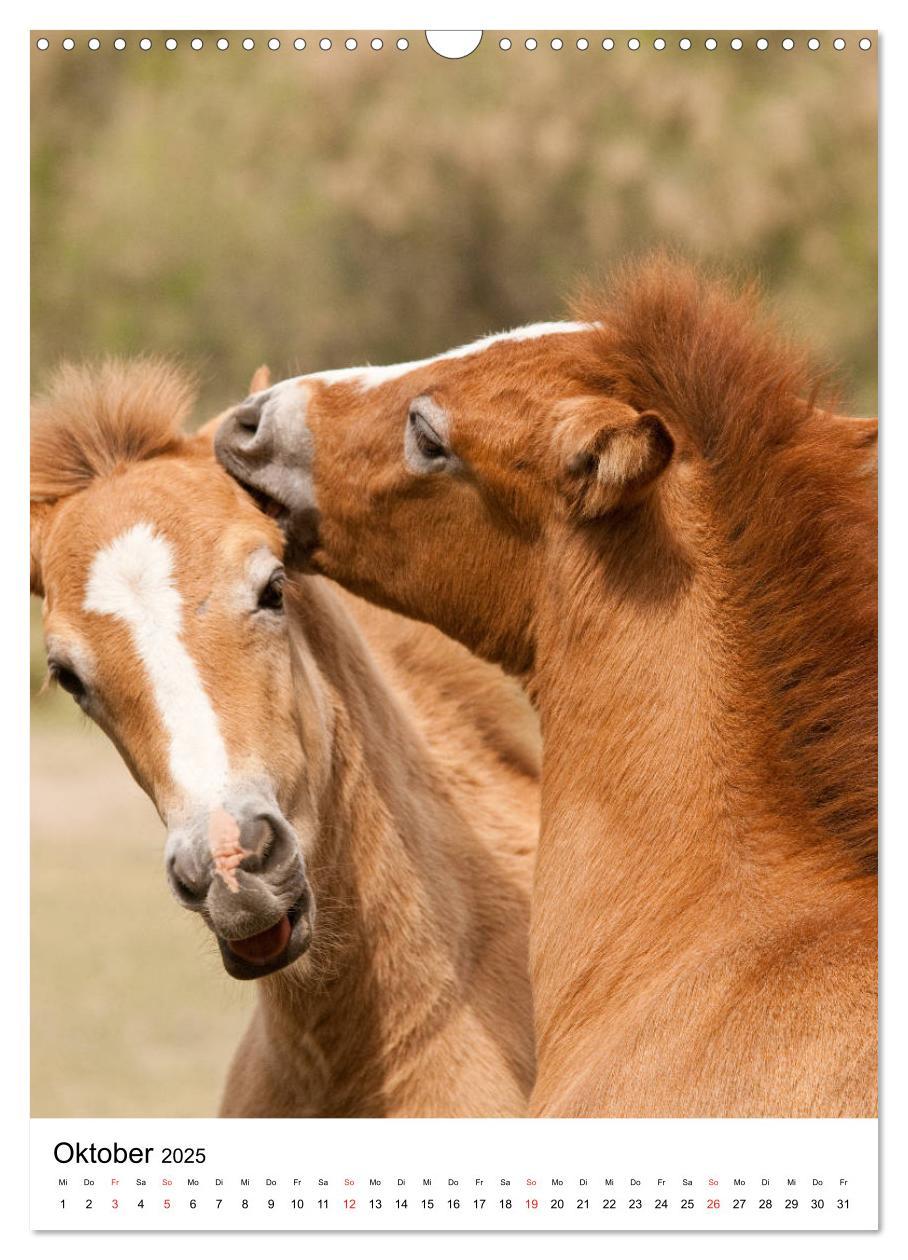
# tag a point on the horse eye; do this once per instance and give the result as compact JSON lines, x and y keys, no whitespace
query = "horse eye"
{"x":272,"y":594}
{"x":427,"y":442}
{"x":69,"y":681}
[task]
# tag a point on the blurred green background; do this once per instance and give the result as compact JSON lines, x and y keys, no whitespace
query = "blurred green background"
{"x":318,"y":209}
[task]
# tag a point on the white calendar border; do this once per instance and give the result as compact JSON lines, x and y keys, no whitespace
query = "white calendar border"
{"x":471,"y":14}
{"x":771,"y":14}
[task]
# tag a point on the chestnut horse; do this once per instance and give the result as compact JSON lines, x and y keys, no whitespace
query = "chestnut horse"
{"x":351,"y":799}
{"x":650,"y":517}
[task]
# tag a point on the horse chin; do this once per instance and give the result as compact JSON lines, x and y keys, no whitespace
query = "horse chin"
{"x":277,"y":947}
{"x":301,"y":534}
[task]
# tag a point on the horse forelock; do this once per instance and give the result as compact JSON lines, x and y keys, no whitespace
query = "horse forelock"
{"x":92,"y":419}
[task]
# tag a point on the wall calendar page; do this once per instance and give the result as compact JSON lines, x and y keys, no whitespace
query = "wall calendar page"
{"x":453,"y":545}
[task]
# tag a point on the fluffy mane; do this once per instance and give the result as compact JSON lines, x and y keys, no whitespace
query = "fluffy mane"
{"x":93,"y":419}
{"x":793,"y":512}
{"x":701,"y":351}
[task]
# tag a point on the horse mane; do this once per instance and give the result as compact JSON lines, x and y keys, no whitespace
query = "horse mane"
{"x":793,"y":511}
{"x":93,"y":419}
{"x":700,"y":350}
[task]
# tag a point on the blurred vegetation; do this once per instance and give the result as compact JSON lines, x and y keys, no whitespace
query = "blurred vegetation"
{"x":315,"y":210}
{"x":132,"y":1011}
{"x":319,"y":209}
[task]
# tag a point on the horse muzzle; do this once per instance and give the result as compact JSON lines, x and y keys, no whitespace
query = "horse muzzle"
{"x":242,"y":870}
{"x":265,"y":445}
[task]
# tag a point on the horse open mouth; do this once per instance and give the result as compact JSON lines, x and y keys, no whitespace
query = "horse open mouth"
{"x":276,"y":947}
{"x":300,"y":527}
{"x":265,"y":503}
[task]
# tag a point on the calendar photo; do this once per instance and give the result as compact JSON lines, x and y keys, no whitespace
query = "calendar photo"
{"x":453,"y":571}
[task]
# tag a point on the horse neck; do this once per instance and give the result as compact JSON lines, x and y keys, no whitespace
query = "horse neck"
{"x":671,"y":828}
{"x":392,"y":879}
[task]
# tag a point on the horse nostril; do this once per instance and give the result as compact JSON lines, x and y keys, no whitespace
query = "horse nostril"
{"x":184,"y":884}
{"x":247,"y":418}
{"x":270,"y":846}
{"x":258,"y":838}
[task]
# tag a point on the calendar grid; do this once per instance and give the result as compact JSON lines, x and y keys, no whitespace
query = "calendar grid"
{"x":473,"y":1175}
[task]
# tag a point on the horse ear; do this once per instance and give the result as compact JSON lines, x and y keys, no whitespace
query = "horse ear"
{"x":608,"y":455}
{"x":40,"y":516}
{"x":261,"y":379}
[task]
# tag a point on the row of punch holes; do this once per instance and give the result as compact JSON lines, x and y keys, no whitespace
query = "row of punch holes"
{"x":531,"y":43}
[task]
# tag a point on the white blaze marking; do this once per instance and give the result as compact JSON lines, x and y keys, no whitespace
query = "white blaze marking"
{"x":132,"y":579}
{"x":369,"y":377}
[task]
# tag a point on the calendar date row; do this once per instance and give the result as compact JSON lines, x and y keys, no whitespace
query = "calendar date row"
{"x":555,"y":1203}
